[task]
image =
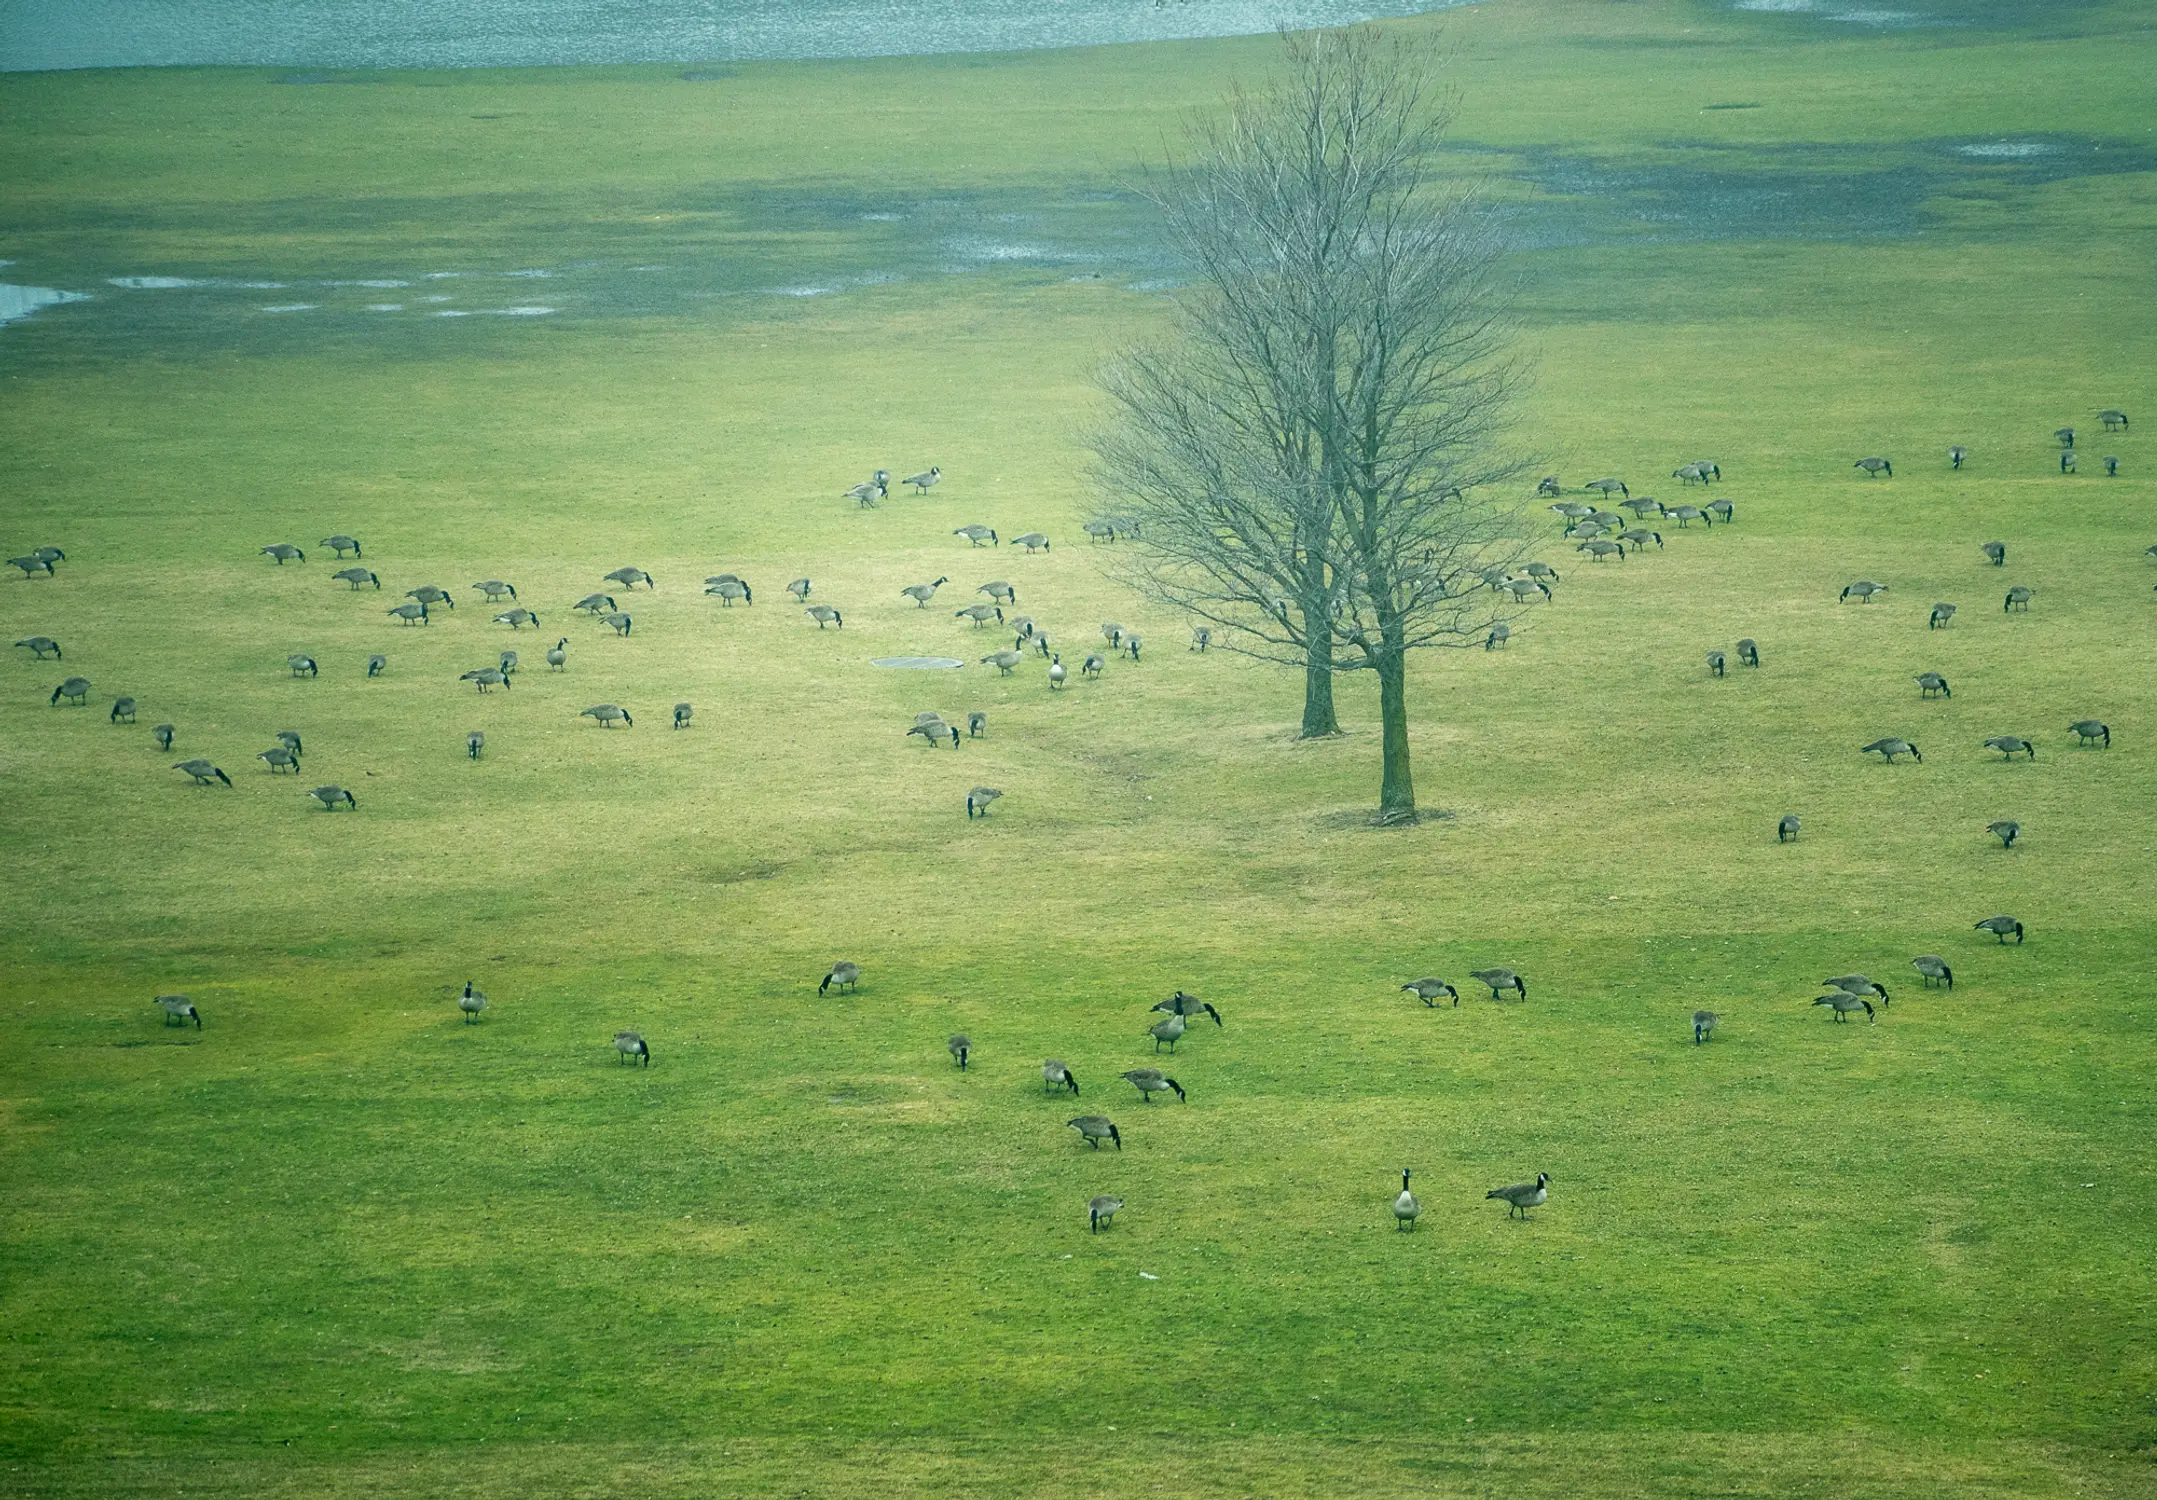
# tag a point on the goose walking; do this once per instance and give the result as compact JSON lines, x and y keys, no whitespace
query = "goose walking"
{"x":843,"y":974}
{"x":1151,"y":1081}
{"x":1102,"y":1207}
{"x":1501,"y":980}
{"x":1092,"y":665}
{"x":1094,"y":1129}
{"x":1704,"y":1024}
{"x":1428,"y":991}
{"x":471,"y":1002}
{"x":179,"y":1010}
{"x":1054,"y":1076}
{"x":1934,"y":969}
{"x":2000,"y":927}
{"x":1786,"y":828}
{"x":960,"y":1047}
{"x":630,"y":1046}
{"x":203,"y":772}
{"x":334,"y":797}
{"x":1522,"y":1196}
{"x":1405,"y":1208}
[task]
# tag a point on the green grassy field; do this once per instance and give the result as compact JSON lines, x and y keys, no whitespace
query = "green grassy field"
{"x":339,"y":1243}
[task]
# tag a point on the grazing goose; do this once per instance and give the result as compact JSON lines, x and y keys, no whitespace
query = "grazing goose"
{"x":1721,"y":510}
{"x":1689,"y":474}
{"x":843,"y":974}
{"x":1102,"y":1207}
{"x":75,"y":690}
{"x":409,"y":614}
{"x":1500,"y":633}
{"x":1875,"y":467}
{"x":1428,"y":991}
{"x":495,"y":588}
{"x":866,"y":494}
{"x":977,"y":724}
{"x":2010,"y":744}
{"x":356,"y":577}
{"x":1704,"y":1024}
{"x":1057,"y":673}
{"x":203,"y":772}
{"x":2115,"y":421}
{"x":1892,"y":747}
{"x":302,"y":665}
{"x":1169,"y":1029}
{"x":934,"y":731}
{"x":1715,"y":662}
{"x":1606,"y":486}
{"x":728,"y":590}
{"x":718,"y":578}
{"x":485,"y":677}
{"x":2018,"y":597}
{"x":1100,"y":531}
{"x":427,"y":593}
{"x":1786,"y":828}
{"x":799,"y":588}
{"x":1151,"y":1081}
{"x":1112,"y":632}
{"x":1094,"y":1129}
{"x":959,"y":1046}
{"x":341,"y":544}
{"x":2090,"y":731}
{"x":977,"y":534}
{"x":925,"y":481}
{"x":824,"y":615}
{"x":1748,"y":652}
{"x":1842,"y":1005}
{"x":123,"y":710}
{"x":2000,"y":927}
{"x":471,"y":1002}
{"x":1405,"y":1208}
{"x":619,"y":623}
{"x":922,"y":593}
{"x":1548,"y":486}
{"x":516,"y":619}
{"x":40,"y":647}
{"x":2064,"y":436}
{"x":1638,"y":537}
{"x":1023,"y":629}
{"x":1041,"y":643}
{"x":1956,"y":455}
{"x":48,"y":556}
{"x":1181,"y":1004}
{"x":1859,"y":984}
{"x":1523,"y":588}
{"x":1201,"y":638}
{"x":1092,"y":665}
{"x":978,"y":800}
{"x":1929,"y":683}
{"x":629,"y":578}
{"x":163,"y":733}
{"x":999,"y":590}
{"x":1599,"y":548}
{"x":1862,"y":591}
{"x":1643,"y":506}
{"x":1995,"y":553}
{"x":1054,"y":1076}
{"x":377,"y":664}
{"x":683,"y":712}
{"x":290,"y":739}
{"x":604,"y":714}
{"x":1523,"y":1195}
{"x":558,"y":654}
{"x":1609,"y":520}
{"x":1500,"y":980}
{"x":334,"y":797}
{"x":2006,"y":830}
{"x":595,"y":604}
{"x":1541,"y":570}
{"x":279,"y":550}
{"x":1131,"y":645}
{"x":1033,"y":541}
{"x":1571,"y":510}
{"x":1941,"y":614}
{"x":2112,"y":467}
{"x":507,"y":660}
{"x":980,"y":614}
{"x":179,"y":1010}
{"x":1934,"y":968}
{"x":278,"y":758}
{"x":1685,"y":515}
{"x":475,"y":741}
{"x":630,"y":1046}
{"x":31,"y":566}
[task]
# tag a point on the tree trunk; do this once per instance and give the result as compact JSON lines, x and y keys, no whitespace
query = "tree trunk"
{"x":1397,"y":791}
{"x":1318,"y":717}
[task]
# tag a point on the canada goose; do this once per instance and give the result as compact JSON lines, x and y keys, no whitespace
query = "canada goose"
{"x":1092,"y":665}
{"x":302,"y":665}
{"x":1685,"y":515}
{"x":1748,"y":652}
{"x":1606,"y":486}
{"x":922,"y":593}
{"x":1572,"y":510}
{"x":1956,"y":455}
{"x":290,"y":739}
{"x":2112,"y":467}
{"x":516,"y":619}
{"x":2068,"y":459}
{"x":728,"y":590}
{"x":2115,"y":421}
{"x":2006,"y":830}
{"x":1704,"y":1024}
{"x":163,"y":734}
{"x":1599,"y":548}
{"x":1842,"y":1005}
{"x":1501,"y":980}
{"x":376,"y":664}
{"x":1041,"y":642}
{"x":1169,"y":1029}
{"x":475,"y":741}
{"x":978,"y":800}
{"x":925,"y":480}
{"x":1715,"y":662}
{"x":799,"y":588}
{"x":1523,"y":1195}
{"x":485,"y":677}
{"x":1500,"y":633}
{"x":1023,"y":629}
{"x":629,"y":578}
{"x":824,"y":614}
{"x":1181,"y":1004}
{"x":1609,"y":520}
{"x":1428,"y":991}
{"x":718,"y":578}
{"x":1549,"y":485}
{"x":356,"y":577}
{"x":1094,"y":1129}
{"x":203,"y":772}
{"x":31,"y":566}
{"x":977,"y":724}
{"x":1859,"y":984}
{"x":934,"y":731}
{"x":1875,"y":467}
{"x":1522,"y":588}
{"x":1995,"y":553}
{"x":2018,"y":597}
{"x":1054,"y":1076}
{"x":980,"y":614}
{"x":1638,"y":537}
{"x":1112,"y":632}
{"x":2086,"y":731}
{"x":1057,"y":673}
{"x":333,"y":797}
{"x":48,"y":556}
{"x":1405,"y":1207}
{"x":40,"y":647}
{"x":619,"y":623}
{"x":278,"y":550}
{"x":1032,"y":541}
{"x":1941,"y":614}
{"x":1151,"y":1081}
{"x":843,"y":974}
{"x":1102,"y":1207}
{"x":1929,"y":683}
{"x":341,"y":544}
{"x":959,"y":1046}
{"x":1100,"y":531}
{"x":1721,"y":510}
{"x":1688,"y":474}
{"x":427,"y":593}
{"x":1892,"y":747}
{"x":595,"y":604}
{"x":866,"y":494}
{"x":1541,"y":570}
{"x":75,"y":689}
{"x":123,"y":710}
{"x":999,"y":590}
{"x":507,"y":661}
{"x":495,"y":588}
{"x":1201,"y":638}
{"x":558,"y":654}
{"x":2000,"y":927}
{"x":2009,"y":744}
{"x":1934,"y":968}
{"x":1132,"y":643}
{"x":1642,"y":506}
{"x":409,"y":614}
{"x":630,"y":1046}
{"x":278,"y":758}
{"x":1862,"y":591}
{"x":1786,"y":828}
{"x":471,"y":1002}
{"x":2064,"y":436}
{"x":976,"y":532}
{"x":604,"y":714}
{"x":682,"y":715}
{"x":179,"y":1010}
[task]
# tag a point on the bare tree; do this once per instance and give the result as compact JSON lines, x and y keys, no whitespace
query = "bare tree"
{"x":1303,"y":458}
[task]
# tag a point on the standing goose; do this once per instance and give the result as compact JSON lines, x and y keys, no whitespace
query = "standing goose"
{"x":334,"y":797}
{"x":516,"y":619}
{"x":2000,"y":927}
{"x":1941,"y":614}
{"x":409,"y":614}
{"x":926,"y":480}
{"x":1428,"y":991}
{"x":629,"y":578}
{"x":123,"y":710}
{"x":1875,"y":467}
{"x":377,"y":664}
{"x":471,"y":1002}
{"x":1934,"y":968}
{"x":843,"y":974}
{"x":558,"y":654}
{"x":40,"y":647}
{"x":1842,"y":1005}
{"x":682,"y":714}
{"x":1501,"y":980}
{"x":1151,"y":1081}
{"x":824,"y":615}
{"x":1094,"y":1129}
{"x":1862,"y":591}
{"x":980,"y":614}
{"x":427,"y":593}
{"x":1956,"y":455}
{"x":1892,"y":747}
{"x":1929,"y":683}
{"x":1102,"y":1207}
{"x":203,"y":772}
{"x":1523,"y":1196}
{"x":2090,"y":731}
{"x":475,"y":741}
{"x":959,"y":1047}
{"x":163,"y":734}
{"x":1181,"y":1004}
{"x":1405,"y":1208}
{"x":630,"y":1046}
{"x":1054,"y":1076}
{"x":75,"y":690}
{"x":1704,"y":1024}
{"x":618,"y":622}
{"x":278,"y":758}
{"x":1201,"y":638}
{"x":495,"y":588}
{"x":978,"y":800}
{"x":922,"y":593}
{"x":1995,"y":553}
{"x":1169,"y":1029}
{"x":356,"y":577}
{"x":799,"y":588}
{"x":2018,"y":597}
{"x":2009,"y":745}
{"x":977,"y":724}
{"x":1786,"y":828}
{"x":179,"y":1010}
{"x":604,"y":714}
{"x":1032,"y":541}
{"x":302,"y":665}
{"x":2006,"y":830}
{"x":485,"y":677}
{"x":1057,"y":672}
{"x":282,"y":551}
{"x":976,"y":533}
{"x":1748,"y":652}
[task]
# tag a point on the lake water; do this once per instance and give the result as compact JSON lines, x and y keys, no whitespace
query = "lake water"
{"x":40,"y":34}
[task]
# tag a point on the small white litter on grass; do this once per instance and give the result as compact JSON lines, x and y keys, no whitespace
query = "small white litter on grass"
{"x":1148,"y":1276}
{"x":291,"y":307}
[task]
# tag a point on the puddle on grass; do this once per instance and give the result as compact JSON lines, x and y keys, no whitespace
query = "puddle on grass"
{"x":20,"y":301}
